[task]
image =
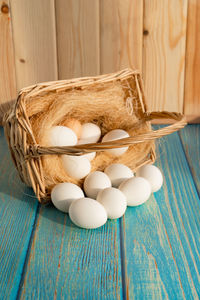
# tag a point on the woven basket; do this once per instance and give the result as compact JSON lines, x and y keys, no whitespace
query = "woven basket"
{"x":28,"y":154}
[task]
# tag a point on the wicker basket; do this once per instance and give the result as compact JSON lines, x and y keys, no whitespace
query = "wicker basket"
{"x":28,"y":154}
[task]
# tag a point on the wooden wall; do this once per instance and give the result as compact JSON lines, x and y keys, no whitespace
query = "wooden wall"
{"x":58,"y":39}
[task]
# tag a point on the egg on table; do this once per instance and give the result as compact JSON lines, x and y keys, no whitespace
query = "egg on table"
{"x":76,"y":166}
{"x":153,"y":175}
{"x":114,"y":202}
{"x":137,"y":190}
{"x":118,"y":173}
{"x":87,"y":213}
{"x":62,"y":136}
{"x":63,"y":194}
{"x":90,"y":133}
{"x":113,"y":135}
{"x":95,"y":182}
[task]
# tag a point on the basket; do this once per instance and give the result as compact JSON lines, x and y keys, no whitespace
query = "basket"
{"x":126,"y":109}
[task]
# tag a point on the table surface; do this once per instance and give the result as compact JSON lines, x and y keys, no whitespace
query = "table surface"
{"x":150,"y":253}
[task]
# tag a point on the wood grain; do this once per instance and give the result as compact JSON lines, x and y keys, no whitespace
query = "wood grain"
{"x":192,"y":71}
{"x":17,"y":216}
{"x":67,"y":262}
{"x":72,"y":38}
{"x":77,"y":38}
{"x":164,"y":53}
{"x":162,"y":238}
{"x":7,"y":65}
{"x":190,"y":138}
{"x":35,"y":41}
{"x":121,"y":24}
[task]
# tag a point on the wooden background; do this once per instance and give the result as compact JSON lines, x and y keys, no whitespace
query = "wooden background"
{"x":58,"y":39}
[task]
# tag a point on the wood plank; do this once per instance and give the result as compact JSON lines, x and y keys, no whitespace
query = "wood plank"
{"x":164,"y":53}
{"x":17,"y":215}
{"x":7,"y":64}
{"x":190,"y":138}
{"x":121,"y":34}
{"x":193,"y":119}
{"x":77,"y":38}
{"x":162,"y":239}
{"x":67,"y":262}
{"x":34,"y":37}
{"x":192,"y":69}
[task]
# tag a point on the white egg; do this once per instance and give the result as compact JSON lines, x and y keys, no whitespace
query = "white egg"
{"x":137,"y":190}
{"x":153,"y":175}
{"x":90,"y":133}
{"x":95,"y":182}
{"x":114,"y":202}
{"x":113,"y":135}
{"x":62,"y":136}
{"x":118,"y":173}
{"x":76,"y":166}
{"x":90,"y":155}
{"x":87,"y":213}
{"x":63,"y":194}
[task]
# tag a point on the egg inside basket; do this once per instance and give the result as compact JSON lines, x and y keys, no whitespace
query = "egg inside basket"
{"x":112,"y":101}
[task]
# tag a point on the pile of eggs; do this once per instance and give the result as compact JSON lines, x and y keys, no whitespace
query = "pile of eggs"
{"x":73,"y":133}
{"x":107,"y":194}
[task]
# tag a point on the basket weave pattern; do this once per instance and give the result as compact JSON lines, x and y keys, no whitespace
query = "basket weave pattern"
{"x":27,"y":153}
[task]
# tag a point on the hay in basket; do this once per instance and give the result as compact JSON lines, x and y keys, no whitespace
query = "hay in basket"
{"x":111,"y":101}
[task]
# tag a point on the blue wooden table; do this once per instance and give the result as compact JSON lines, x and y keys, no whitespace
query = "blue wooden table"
{"x":150,"y":253}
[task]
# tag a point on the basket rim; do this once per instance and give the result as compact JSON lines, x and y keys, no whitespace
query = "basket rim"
{"x":79,"y":81}
{"x":18,"y":112}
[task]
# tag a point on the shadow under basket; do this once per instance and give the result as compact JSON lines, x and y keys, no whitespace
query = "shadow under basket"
{"x":112,"y":101}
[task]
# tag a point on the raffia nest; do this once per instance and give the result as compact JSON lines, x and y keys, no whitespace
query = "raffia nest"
{"x":111,"y":101}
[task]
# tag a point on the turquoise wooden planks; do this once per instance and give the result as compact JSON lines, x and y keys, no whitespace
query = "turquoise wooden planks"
{"x":190,"y":138}
{"x":17,"y":215}
{"x":67,"y":262}
{"x":161,"y":237}
{"x":160,"y":242}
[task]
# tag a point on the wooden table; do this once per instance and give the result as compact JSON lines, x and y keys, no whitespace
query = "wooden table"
{"x":150,"y":253}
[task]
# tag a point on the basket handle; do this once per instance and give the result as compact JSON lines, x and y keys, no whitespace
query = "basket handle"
{"x":36,"y":150}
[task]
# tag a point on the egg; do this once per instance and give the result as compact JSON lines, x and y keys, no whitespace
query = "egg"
{"x":118,"y":173}
{"x":90,"y":155}
{"x":95,"y":182}
{"x":114,"y":202}
{"x":90,"y":133}
{"x":76,"y":166}
{"x":62,"y":136}
{"x":153,"y":175}
{"x":74,"y":125}
{"x":87,"y":213}
{"x":63,"y":194}
{"x":113,"y":135}
{"x":137,"y":190}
